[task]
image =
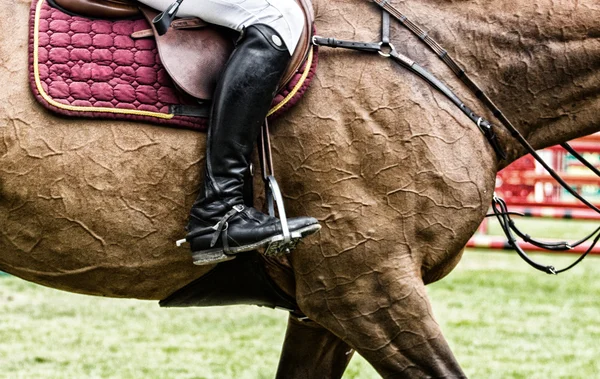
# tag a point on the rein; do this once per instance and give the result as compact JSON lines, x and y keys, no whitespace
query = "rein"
{"x":387,"y":50}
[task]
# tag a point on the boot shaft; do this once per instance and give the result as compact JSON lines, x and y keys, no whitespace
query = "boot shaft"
{"x":242,"y":99}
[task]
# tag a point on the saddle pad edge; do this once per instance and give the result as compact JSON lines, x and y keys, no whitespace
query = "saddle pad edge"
{"x":309,"y":62}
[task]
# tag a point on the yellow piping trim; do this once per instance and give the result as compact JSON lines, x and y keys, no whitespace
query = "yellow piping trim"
{"x":297,"y":86}
{"x":38,"y":83}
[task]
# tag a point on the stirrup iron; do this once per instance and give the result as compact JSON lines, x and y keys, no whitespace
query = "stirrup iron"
{"x":288,"y":241}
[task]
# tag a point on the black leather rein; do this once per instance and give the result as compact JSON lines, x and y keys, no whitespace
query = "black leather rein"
{"x":386,"y":49}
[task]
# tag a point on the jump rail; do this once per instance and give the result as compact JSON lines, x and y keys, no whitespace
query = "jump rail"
{"x":500,"y":243}
{"x":522,"y":179}
{"x":512,"y":204}
{"x":556,"y":213}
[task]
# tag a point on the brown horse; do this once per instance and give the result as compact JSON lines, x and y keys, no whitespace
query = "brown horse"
{"x":398,"y":177}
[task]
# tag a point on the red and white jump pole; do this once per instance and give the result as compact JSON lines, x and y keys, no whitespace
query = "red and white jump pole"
{"x":522,"y":178}
{"x":500,"y":243}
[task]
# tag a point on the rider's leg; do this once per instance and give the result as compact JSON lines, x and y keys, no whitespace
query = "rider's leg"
{"x":241,"y":102}
{"x":285,"y":16}
{"x":219,"y":223}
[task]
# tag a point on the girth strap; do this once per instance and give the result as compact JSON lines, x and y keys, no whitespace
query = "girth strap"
{"x":200,"y":110}
{"x":243,"y":280}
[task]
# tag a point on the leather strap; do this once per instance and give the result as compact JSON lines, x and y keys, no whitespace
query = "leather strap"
{"x":146,"y":33}
{"x":221,"y":226}
{"x":387,"y":50}
{"x":498,"y":205}
{"x":201,"y":110}
{"x":352,"y":45}
{"x":188,"y":23}
{"x":272,"y":192}
{"x":385,"y":27}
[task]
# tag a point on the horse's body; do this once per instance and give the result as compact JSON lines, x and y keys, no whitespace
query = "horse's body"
{"x":397,"y":176}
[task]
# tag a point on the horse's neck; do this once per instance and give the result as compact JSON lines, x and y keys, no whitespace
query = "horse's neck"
{"x":538,"y":60}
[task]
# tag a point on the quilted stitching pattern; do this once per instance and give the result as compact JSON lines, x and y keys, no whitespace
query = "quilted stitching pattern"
{"x":95,"y":63}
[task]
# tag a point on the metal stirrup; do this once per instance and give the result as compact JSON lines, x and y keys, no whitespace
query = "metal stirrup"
{"x":273,"y":194}
{"x":272,"y":191}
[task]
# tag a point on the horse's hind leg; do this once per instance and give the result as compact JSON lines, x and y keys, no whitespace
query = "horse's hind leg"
{"x":387,"y":318}
{"x":311,"y":351}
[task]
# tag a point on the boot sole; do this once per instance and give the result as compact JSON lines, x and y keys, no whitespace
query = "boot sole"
{"x":274,"y":245}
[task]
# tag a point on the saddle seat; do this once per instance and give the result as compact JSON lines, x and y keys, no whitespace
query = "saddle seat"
{"x":192,"y":51}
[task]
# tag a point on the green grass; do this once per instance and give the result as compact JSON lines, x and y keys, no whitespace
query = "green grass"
{"x":505,"y":320}
{"x":501,"y":318}
{"x":46,"y":333}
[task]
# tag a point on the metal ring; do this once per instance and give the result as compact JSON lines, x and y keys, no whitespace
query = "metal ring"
{"x":387,"y":45}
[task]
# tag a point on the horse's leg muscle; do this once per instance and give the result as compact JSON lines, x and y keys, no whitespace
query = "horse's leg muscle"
{"x":387,"y":318}
{"x":310,"y":350}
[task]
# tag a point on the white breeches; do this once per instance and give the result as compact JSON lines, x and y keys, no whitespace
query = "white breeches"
{"x":285,"y":16}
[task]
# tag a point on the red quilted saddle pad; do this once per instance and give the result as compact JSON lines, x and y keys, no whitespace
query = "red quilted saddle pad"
{"x":93,"y":68}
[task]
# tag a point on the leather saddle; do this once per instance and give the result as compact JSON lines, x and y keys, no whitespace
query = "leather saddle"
{"x":192,"y":51}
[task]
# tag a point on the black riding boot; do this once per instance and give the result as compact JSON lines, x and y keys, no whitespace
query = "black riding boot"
{"x":220,"y":225}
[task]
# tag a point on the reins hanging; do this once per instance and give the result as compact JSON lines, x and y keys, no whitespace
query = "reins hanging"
{"x":386,"y":49}
{"x":508,"y":226}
